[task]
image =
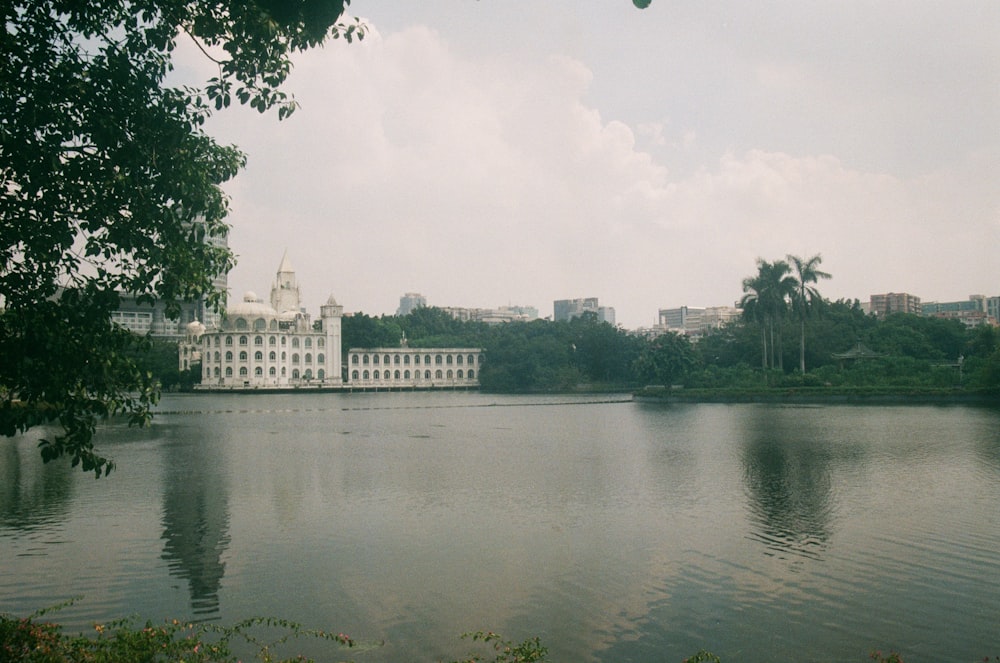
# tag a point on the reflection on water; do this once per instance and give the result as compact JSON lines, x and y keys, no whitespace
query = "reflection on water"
{"x":31,"y":494}
{"x":786,"y":465}
{"x":196,"y":519}
{"x":615,"y":531}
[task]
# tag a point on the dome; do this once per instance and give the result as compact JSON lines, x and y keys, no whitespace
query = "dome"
{"x":194,"y":328}
{"x":251,"y":306}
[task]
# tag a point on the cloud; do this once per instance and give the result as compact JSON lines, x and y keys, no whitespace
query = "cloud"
{"x":494,"y":179}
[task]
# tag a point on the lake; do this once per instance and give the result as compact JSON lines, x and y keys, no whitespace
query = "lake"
{"x":615,"y":530}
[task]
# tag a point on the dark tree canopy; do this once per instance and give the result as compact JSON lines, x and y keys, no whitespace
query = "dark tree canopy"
{"x":110,"y":184}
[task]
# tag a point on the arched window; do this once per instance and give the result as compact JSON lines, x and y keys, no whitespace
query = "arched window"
{"x":320,"y":358}
{"x":258,"y":340}
{"x":258,"y":372}
{"x":427,"y":359}
{"x":295,"y":341}
{"x":271,"y":371}
{"x":295,"y":357}
{"x":437,"y":359}
{"x":354,"y":375}
{"x":273,"y":326}
{"x":308,"y":374}
{"x":217,"y":358}
{"x":240,"y":324}
{"x":320,"y":342}
{"x":271,"y":340}
{"x":459,"y":374}
{"x":416,"y":359}
{"x":450,"y":374}
{"x":374,"y":359}
{"x":283,"y":371}
{"x":406,"y":374}
{"x":243,"y":340}
{"x":472,"y":374}
{"x":396,"y":375}
{"x":258,"y":356}
{"x":472,"y":359}
{"x":321,"y":374}
{"x":217,"y":341}
{"x":309,"y":358}
{"x":406,"y":360}
{"x":260,"y":324}
{"x":395,"y":360}
{"x":295,"y":374}
{"x":458,"y":360}
{"x":364,"y":360}
{"x":229,"y":355}
{"x":283,"y":355}
{"x":229,"y":371}
{"x":243,"y":355}
{"x":387,"y":360}
{"x":284,"y":341}
{"x":366,"y":375}
{"x":243,"y":371}
{"x":437,"y":374}
{"x":448,"y":360}
{"x":271,"y":356}
{"x":427,"y":375}
{"x":229,"y":340}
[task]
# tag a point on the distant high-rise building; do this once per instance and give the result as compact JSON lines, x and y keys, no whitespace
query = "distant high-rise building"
{"x":894,"y":302}
{"x":565,"y":310}
{"x":410,"y":302}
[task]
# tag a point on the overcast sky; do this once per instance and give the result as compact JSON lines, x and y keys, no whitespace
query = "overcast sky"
{"x":521,"y":151}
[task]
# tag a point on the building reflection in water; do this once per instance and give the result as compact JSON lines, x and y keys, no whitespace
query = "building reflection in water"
{"x":196,"y":518}
{"x":787,"y":477}
{"x":32,"y":493}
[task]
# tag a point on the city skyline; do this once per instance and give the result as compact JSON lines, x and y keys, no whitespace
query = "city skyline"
{"x":530,"y":152}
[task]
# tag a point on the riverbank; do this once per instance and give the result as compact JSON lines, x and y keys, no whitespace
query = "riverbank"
{"x":818,"y":395}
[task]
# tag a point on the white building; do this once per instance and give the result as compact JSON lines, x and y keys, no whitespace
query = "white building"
{"x":414,"y":368}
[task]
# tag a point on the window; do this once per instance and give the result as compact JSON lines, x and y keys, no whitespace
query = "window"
{"x":374,"y":359}
{"x":283,"y":371}
{"x":295,"y":374}
{"x":283,"y":355}
{"x":217,"y":358}
{"x":321,"y":374}
{"x":308,"y":374}
{"x":406,"y":374}
{"x":320,"y":342}
{"x":243,"y":371}
{"x":366,"y":375}
{"x":272,"y":340}
{"x":271,"y":356}
{"x":354,"y":375}
{"x":437,"y":374}
{"x":217,"y":339}
{"x":271,"y":371}
{"x":216,"y":371}
{"x":387,"y":360}
{"x":396,"y":375}
{"x":258,"y":356}
{"x":427,"y":375}
{"x":243,"y":355}
{"x":427,"y":359}
{"x":376,"y":375}
{"x":320,"y":358}
{"x":460,"y":374}
{"x":416,"y":359}
{"x":258,"y":372}
{"x":406,"y":360}
{"x":243,"y":340}
{"x":295,"y":357}
{"x":472,"y":359}
{"x":309,"y":358}
{"x":229,"y":371}
{"x":450,"y":374}
{"x":258,"y":340}
{"x":260,"y":324}
{"x":295,"y":341}
{"x":458,"y":360}
{"x":284,"y":341}
{"x":229,"y":340}
{"x":448,"y":360}
{"x":472,"y":374}
{"x":229,"y":355}
{"x":364,"y":360}
{"x":437,"y":359}
{"x":309,"y":342}
{"x":240,"y":324}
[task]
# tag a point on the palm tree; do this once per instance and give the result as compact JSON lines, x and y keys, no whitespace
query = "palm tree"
{"x":766,"y":301}
{"x":805,"y":296}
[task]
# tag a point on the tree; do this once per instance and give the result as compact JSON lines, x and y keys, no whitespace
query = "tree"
{"x":805,"y":296}
{"x":111,"y":185}
{"x":765,"y":302}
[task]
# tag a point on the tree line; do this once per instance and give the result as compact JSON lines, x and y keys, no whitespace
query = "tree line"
{"x":781,"y":302}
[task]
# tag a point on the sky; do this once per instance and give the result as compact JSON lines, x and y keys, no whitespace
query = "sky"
{"x":487,"y":153}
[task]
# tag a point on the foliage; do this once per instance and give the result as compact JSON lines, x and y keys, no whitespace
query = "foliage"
{"x":111,"y":185}
{"x":29,"y":640}
{"x":806,"y":297}
{"x":505,"y":651}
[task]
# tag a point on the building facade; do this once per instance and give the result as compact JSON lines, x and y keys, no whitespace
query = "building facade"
{"x":564,"y":310}
{"x":414,"y":368}
{"x":894,"y":302}
{"x":410,"y":302}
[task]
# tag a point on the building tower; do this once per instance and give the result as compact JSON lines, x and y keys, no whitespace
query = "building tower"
{"x":285,"y":294}
{"x":330,"y":320}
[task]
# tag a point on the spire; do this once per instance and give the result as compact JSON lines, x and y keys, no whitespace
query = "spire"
{"x":286,"y":265}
